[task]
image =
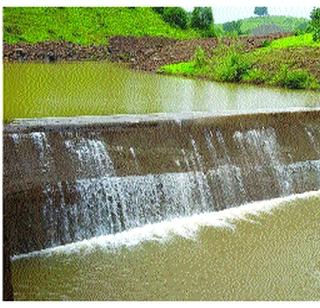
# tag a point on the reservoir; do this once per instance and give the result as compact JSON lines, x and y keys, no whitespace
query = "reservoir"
{"x":103,"y":88}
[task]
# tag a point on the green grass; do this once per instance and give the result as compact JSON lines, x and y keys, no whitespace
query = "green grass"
{"x":288,"y":24}
{"x":85,"y":25}
{"x":294,"y":79}
{"x":295,"y":41}
{"x":294,"y":68}
{"x":187,"y":68}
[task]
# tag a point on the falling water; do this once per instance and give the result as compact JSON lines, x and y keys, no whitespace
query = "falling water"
{"x":91,"y":153}
{"x":212,"y":172}
{"x":111,"y":204}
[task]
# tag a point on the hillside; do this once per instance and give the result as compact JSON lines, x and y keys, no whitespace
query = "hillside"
{"x":84,"y":25}
{"x":291,"y":62}
{"x":304,"y":40}
{"x":287,"y":24}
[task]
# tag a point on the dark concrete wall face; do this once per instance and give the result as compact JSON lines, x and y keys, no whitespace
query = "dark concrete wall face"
{"x":65,"y":183}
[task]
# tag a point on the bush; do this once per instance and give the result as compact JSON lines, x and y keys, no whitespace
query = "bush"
{"x":293,"y":79}
{"x":176,"y":16}
{"x":201,"y":18}
{"x":266,"y":43}
{"x":256,"y":75}
{"x":200,"y":59}
{"x":232,"y":65}
{"x":315,"y":23}
{"x":211,"y":32}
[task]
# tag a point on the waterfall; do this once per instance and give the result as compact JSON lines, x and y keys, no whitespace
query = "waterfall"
{"x":90,"y":153}
{"x":91,"y":186}
{"x":111,"y":204}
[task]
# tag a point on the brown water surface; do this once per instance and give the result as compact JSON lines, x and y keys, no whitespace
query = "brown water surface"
{"x":271,"y":257}
{"x":33,"y":90}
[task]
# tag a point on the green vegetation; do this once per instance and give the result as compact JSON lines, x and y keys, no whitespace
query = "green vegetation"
{"x":201,"y":18}
{"x":261,"y":11}
{"x":94,"y":25}
{"x":184,"y":68}
{"x":175,"y":16}
{"x":293,"y":68}
{"x":233,"y":27}
{"x":295,"y":41}
{"x":291,"y":62}
{"x":287,"y":24}
{"x":294,"y":79}
{"x":231,"y":65}
{"x":85,"y":25}
{"x":315,"y":23}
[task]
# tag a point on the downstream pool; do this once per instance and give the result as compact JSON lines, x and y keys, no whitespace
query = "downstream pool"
{"x":274,"y":255}
{"x":101,"y":88}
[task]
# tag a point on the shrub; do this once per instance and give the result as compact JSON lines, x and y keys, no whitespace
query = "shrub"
{"x":176,"y":16}
{"x":315,"y":23}
{"x":211,"y":32}
{"x":293,"y":79}
{"x":266,"y":43}
{"x":256,"y":75}
{"x":232,"y":65}
{"x":200,"y":59}
{"x":201,"y":18}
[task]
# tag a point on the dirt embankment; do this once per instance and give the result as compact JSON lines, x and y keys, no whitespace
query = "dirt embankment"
{"x":150,"y":53}
{"x":53,"y":51}
{"x":142,"y":53}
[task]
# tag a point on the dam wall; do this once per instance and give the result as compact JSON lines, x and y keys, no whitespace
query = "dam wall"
{"x":71,"y":179}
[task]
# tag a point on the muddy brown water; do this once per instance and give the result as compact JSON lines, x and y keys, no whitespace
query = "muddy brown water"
{"x":272,"y":256}
{"x":101,"y":88}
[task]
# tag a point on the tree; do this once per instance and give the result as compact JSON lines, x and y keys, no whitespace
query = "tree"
{"x":232,"y":27}
{"x":202,"y":18}
{"x":176,"y":16}
{"x":158,"y":9}
{"x":261,"y":10}
{"x":315,"y":23}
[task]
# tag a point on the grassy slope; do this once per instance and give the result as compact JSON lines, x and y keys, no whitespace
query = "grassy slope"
{"x":295,"y":41}
{"x":297,"y":53}
{"x":84,"y":25}
{"x":288,"y":24}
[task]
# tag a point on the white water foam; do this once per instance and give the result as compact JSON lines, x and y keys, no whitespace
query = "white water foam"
{"x":186,"y":227}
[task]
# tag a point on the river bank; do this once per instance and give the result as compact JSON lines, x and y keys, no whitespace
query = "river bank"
{"x":292,"y":62}
{"x":260,"y":61}
{"x":141,"y":53}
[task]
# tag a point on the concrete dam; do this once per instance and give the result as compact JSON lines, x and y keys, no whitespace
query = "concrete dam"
{"x":67,"y":180}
